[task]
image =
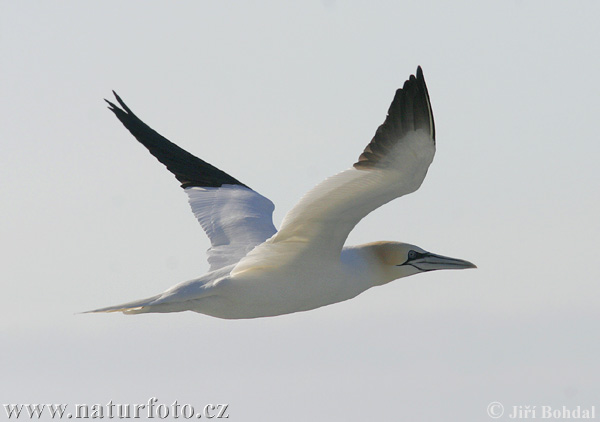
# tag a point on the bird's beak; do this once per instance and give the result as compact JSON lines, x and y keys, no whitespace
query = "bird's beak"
{"x":430,"y":262}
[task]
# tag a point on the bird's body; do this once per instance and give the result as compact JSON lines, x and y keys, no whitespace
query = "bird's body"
{"x":301,"y":284}
{"x":257,"y":271}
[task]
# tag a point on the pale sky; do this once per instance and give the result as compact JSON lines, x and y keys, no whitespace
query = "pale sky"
{"x":280,"y":96}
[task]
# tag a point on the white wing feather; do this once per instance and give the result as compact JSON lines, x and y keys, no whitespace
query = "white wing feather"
{"x":235,"y":219}
{"x":325,"y":216}
{"x":393,"y":164}
{"x":320,"y":223}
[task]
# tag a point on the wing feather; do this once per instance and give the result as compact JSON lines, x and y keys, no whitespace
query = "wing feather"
{"x":393,"y":164}
{"x":187,"y":168}
{"x":234,"y":217}
{"x":410,"y":111}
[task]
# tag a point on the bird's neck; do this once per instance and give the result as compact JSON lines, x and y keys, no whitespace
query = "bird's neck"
{"x":363,"y":265}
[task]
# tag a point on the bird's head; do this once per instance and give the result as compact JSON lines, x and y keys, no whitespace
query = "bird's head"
{"x":398,"y":260}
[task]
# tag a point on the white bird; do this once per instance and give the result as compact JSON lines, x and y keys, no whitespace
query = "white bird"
{"x":257,"y":271}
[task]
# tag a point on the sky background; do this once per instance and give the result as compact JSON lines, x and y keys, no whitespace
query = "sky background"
{"x":282,"y":95}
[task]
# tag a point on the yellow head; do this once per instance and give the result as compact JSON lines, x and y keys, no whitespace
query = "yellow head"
{"x":396,"y":260}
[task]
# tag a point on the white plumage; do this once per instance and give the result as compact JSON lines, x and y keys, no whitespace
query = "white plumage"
{"x":235,"y":219}
{"x":257,"y":271}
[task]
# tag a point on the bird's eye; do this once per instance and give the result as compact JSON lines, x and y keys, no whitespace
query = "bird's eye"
{"x":412,"y":254}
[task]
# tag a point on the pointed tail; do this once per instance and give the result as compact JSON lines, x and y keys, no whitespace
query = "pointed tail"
{"x":129,"y":308}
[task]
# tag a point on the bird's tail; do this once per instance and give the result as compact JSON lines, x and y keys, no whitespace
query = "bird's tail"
{"x":129,"y":308}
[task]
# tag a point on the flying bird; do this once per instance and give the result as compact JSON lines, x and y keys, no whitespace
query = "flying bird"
{"x":258,"y":271}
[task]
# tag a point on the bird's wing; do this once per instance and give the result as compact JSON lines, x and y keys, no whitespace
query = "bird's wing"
{"x":393,"y":164}
{"x":235,"y":217}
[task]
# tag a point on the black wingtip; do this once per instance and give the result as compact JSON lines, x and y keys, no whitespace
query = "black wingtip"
{"x":121,"y":103}
{"x":188,"y":169}
{"x":111,"y":106}
{"x":410,"y":110}
{"x":421,"y":80}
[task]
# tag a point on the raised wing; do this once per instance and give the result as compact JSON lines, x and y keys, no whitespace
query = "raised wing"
{"x":393,"y":164}
{"x":235,"y":217}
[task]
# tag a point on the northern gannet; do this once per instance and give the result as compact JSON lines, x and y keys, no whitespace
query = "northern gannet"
{"x":257,"y":271}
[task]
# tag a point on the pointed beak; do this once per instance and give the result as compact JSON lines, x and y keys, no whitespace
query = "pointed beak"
{"x":431,"y":262}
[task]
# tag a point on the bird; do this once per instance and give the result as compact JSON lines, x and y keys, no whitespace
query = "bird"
{"x":258,"y":271}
